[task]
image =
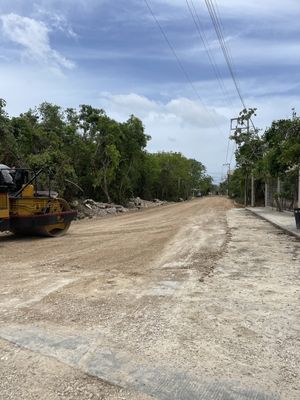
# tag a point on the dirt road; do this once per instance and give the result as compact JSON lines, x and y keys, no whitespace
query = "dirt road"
{"x":196,"y":300}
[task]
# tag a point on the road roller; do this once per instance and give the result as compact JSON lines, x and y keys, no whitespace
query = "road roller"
{"x":25,"y":210}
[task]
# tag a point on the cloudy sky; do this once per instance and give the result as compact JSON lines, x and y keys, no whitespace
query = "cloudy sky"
{"x":112,"y":55}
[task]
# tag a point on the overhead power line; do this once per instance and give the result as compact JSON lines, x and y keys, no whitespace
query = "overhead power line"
{"x":187,"y":77}
{"x":197,"y":22}
{"x":200,"y":29}
{"x":220,"y":36}
{"x":214,"y":15}
{"x":173,"y":50}
{"x":216,"y":21}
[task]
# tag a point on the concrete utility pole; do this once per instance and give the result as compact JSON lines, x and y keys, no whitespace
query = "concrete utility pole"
{"x":228,"y":176}
{"x":245,"y":191}
{"x":266,"y":194}
{"x":294,"y":117}
{"x":252,"y":191}
{"x":243,"y":127}
{"x":299,"y":189}
{"x":278,"y":185}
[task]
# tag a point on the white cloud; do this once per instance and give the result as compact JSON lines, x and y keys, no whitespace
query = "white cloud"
{"x":194,"y":113}
{"x":57,"y":22}
{"x":132,"y":101}
{"x":185,"y":111}
{"x":33,"y":37}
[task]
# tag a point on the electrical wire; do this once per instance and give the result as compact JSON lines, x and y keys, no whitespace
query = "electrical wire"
{"x":228,"y":51}
{"x":196,"y":19}
{"x":199,"y":27}
{"x":220,"y":36}
{"x":216,"y":21}
{"x":200,"y":30}
{"x":219,"y":32}
{"x":179,"y":62}
{"x":173,"y":50}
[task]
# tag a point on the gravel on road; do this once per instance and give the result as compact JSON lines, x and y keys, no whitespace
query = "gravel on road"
{"x":188,"y":300}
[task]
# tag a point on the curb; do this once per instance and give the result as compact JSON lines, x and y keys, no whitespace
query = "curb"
{"x":283,"y":228}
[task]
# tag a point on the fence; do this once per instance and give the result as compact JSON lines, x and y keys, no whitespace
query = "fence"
{"x":282,"y":192}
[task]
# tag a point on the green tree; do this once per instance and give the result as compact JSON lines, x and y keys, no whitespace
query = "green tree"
{"x":106,"y":158}
{"x":131,"y":145}
{"x":282,"y":146}
{"x":8,"y":149}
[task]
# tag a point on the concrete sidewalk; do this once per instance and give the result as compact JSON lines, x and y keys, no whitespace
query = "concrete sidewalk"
{"x":283,"y":220}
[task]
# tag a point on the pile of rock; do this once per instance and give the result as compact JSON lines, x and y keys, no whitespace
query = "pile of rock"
{"x":90,"y":208}
{"x":137,"y":202}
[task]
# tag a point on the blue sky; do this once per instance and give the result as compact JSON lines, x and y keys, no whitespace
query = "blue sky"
{"x":111,"y":54}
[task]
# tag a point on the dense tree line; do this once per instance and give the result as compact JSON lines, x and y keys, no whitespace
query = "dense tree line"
{"x":105,"y":158}
{"x":273,"y":154}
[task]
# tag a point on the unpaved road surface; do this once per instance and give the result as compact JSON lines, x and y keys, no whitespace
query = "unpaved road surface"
{"x":196,"y":300}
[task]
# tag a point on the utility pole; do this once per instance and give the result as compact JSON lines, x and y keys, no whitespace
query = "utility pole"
{"x":267,"y":193}
{"x":228,"y":176}
{"x":294,"y":117}
{"x":299,"y":189}
{"x":252,"y":191}
{"x":246,"y":191}
{"x":236,"y":124}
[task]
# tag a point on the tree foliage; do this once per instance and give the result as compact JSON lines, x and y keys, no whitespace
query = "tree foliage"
{"x":273,"y":154}
{"x":106,"y":158}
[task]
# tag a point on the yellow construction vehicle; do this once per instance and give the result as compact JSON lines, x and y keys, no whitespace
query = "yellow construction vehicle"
{"x":24,"y":210}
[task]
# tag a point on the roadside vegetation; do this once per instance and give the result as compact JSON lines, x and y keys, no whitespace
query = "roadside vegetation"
{"x":270,"y":155}
{"x":107,"y":159}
